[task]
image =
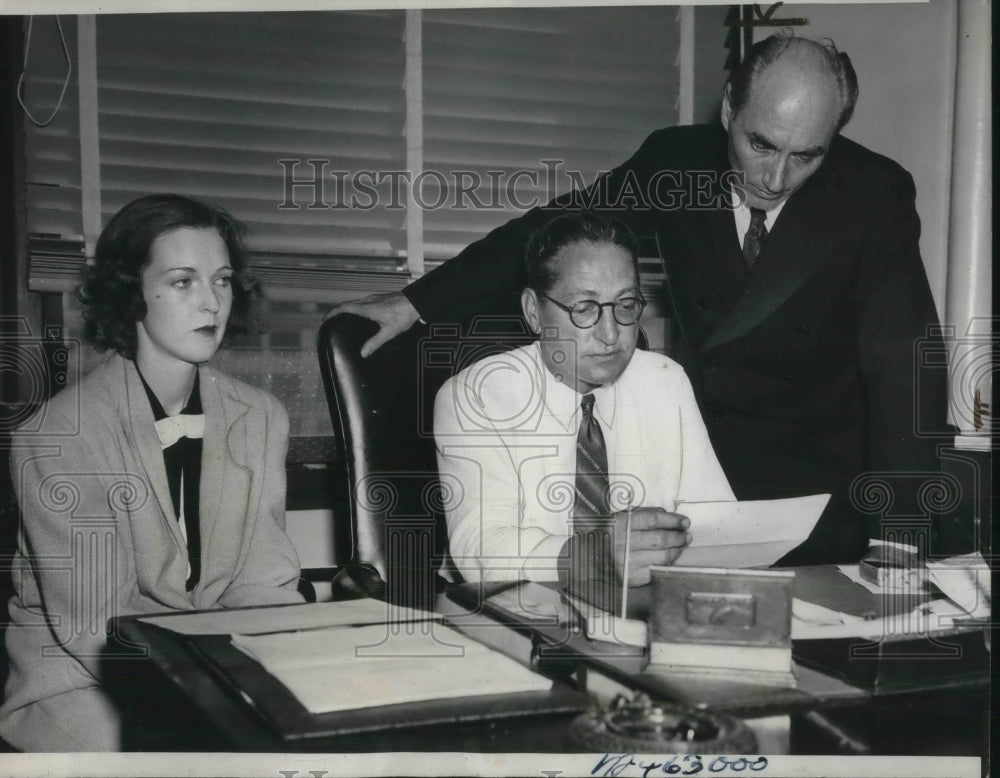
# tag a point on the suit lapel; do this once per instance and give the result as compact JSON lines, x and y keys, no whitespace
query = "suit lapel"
{"x":711,"y":239}
{"x":802,"y":239}
{"x":712,"y":236}
{"x":147,"y":447}
{"x":224,"y":473}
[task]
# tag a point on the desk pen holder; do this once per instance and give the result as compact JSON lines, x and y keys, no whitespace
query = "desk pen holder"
{"x":721,"y":623}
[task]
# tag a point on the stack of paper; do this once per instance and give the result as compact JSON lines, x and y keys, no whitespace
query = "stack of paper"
{"x":345,"y":668}
{"x":965,"y":580}
{"x":612,"y":629}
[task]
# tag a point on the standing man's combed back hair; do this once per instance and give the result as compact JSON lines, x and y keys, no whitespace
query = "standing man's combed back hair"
{"x":568,"y":229}
{"x":111,"y":288}
{"x":764,"y":53}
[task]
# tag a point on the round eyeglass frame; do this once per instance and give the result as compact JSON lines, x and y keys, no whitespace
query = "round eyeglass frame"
{"x":573,"y":312}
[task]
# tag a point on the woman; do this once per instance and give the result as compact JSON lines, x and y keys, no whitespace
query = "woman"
{"x":156,"y":483}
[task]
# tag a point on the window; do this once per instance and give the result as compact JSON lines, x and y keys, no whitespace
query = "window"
{"x":542,"y":98}
{"x":316,"y":127}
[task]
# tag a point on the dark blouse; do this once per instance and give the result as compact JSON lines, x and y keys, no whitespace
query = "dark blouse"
{"x":183,"y":464}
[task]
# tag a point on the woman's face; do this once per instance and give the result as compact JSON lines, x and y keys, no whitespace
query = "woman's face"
{"x":188,"y":290}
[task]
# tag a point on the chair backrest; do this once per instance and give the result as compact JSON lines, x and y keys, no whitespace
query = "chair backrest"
{"x":390,"y":537}
{"x":372,"y":406}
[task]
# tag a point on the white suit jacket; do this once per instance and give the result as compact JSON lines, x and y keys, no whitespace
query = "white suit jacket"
{"x":506,"y":432}
{"x":100,"y":538}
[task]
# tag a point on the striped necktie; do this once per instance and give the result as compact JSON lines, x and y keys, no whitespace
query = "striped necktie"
{"x":591,"y":470}
{"x":593,"y":576}
{"x":755,"y":237}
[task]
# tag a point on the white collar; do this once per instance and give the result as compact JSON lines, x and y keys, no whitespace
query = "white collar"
{"x":563,"y":401}
{"x":741,"y":213}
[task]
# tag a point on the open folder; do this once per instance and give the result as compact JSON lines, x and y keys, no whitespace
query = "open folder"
{"x":749,"y":533}
{"x":344,"y":668}
{"x":361,"y":668}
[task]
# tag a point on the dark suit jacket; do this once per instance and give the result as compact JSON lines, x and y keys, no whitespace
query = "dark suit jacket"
{"x":804,"y":369}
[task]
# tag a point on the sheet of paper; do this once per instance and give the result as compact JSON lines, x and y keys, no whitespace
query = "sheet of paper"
{"x":345,"y":668}
{"x":283,"y":618}
{"x":612,"y":629}
{"x":811,"y":620}
{"x":749,"y":533}
{"x":965,"y":580}
{"x":601,"y":625}
{"x":934,"y":616}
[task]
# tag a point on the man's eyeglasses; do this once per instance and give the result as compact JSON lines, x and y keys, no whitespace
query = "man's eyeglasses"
{"x":586,"y":313}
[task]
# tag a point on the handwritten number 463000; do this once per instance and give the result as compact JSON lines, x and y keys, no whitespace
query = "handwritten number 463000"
{"x":617,"y":765}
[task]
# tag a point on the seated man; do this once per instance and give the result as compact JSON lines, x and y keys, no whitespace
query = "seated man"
{"x":557,"y":439}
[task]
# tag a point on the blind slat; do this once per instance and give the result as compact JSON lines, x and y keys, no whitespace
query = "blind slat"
{"x":52,"y":152}
{"x":582,"y":87}
{"x":209,"y":104}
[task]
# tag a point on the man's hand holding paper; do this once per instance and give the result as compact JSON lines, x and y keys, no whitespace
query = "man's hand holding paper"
{"x":656,"y":537}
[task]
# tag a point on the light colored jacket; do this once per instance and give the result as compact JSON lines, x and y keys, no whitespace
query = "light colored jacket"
{"x":99,"y":538}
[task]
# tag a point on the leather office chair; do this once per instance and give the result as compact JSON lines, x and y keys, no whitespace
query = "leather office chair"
{"x":390,"y":537}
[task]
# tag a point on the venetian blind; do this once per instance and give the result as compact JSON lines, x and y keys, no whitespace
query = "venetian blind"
{"x":210,"y":105}
{"x":558,"y":93}
{"x":53,"y":153}
{"x":230,"y":107}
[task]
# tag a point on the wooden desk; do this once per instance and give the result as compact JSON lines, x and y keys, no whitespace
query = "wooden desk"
{"x":176,"y":700}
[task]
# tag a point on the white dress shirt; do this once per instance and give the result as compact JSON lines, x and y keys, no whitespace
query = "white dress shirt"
{"x":741,"y":213}
{"x":506,"y":433}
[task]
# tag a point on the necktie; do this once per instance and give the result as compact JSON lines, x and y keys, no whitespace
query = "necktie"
{"x":185,"y":425}
{"x":755,"y":237}
{"x":591,"y":469}
{"x":592,"y":575}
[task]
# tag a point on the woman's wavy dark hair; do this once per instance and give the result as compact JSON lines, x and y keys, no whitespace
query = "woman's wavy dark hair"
{"x":111,"y":288}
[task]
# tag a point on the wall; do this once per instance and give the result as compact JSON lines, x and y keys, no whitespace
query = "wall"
{"x":710,"y":55}
{"x":904,"y":54}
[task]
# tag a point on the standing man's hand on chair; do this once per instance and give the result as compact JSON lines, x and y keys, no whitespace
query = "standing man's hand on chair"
{"x":393,"y":312}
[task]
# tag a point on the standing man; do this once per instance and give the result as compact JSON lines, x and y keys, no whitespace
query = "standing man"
{"x":795,"y":278}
